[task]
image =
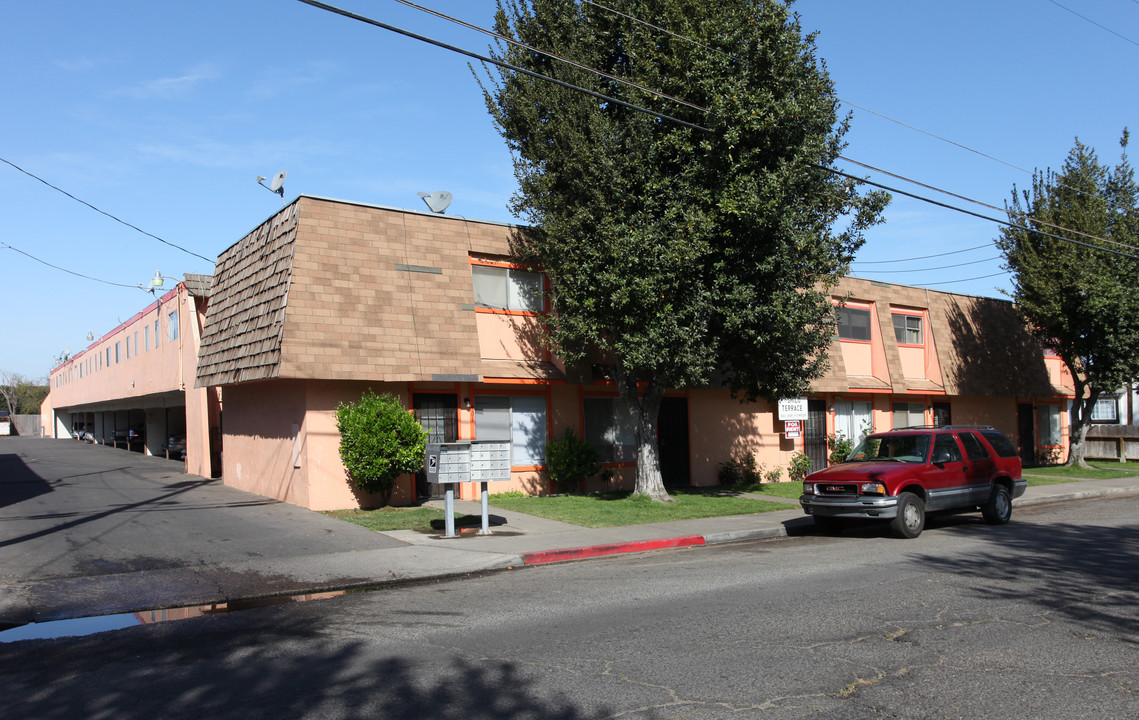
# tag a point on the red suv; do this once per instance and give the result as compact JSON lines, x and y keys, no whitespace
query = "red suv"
{"x":902,"y":474}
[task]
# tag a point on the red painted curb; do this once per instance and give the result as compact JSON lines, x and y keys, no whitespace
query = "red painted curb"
{"x":548,"y":556}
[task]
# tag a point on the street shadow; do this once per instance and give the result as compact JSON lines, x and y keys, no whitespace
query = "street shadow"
{"x":17,"y":481}
{"x":1089,"y":575}
{"x":277,"y":666}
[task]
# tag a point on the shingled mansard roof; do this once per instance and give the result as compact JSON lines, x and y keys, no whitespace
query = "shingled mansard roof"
{"x":328,"y":289}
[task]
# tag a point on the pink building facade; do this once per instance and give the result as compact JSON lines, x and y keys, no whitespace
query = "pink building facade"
{"x":329,"y":298}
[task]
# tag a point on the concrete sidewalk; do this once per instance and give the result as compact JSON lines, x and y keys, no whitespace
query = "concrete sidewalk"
{"x":179,"y":541}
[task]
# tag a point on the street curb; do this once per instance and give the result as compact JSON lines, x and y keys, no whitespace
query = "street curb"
{"x":592,"y":551}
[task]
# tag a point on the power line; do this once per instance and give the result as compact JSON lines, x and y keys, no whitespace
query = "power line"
{"x":499,"y":63}
{"x":554,"y":56}
{"x":101,"y":212}
{"x":69,"y":272}
{"x":986,"y":205}
{"x":929,"y":269}
{"x":951,"y":282}
{"x":1093,"y":22}
{"x":925,"y":257}
{"x":391,"y":28}
{"x":974,"y":214}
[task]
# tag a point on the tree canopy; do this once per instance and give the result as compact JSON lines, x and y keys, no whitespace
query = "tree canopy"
{"x":1080,"y":294}
{"x":685,"y":256}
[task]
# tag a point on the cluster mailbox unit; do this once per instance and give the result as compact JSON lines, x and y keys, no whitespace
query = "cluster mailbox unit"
{"x":470,"y":461}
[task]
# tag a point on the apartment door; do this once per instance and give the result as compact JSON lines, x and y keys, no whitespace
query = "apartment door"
{"x":438,"y":413}
{"x":1026,"y":433}
{"x":672,"y":436}
{"x":815,"y":433}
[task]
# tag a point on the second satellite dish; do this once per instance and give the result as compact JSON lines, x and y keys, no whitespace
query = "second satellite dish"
{"x":277,"y":185}
{"x":437,"y":201}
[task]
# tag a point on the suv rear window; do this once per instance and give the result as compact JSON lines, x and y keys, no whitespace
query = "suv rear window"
{"x":1000,"y":443}
{"x":973,"y":447}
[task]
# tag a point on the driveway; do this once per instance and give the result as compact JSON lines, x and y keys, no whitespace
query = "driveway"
{"x":88,"y":529}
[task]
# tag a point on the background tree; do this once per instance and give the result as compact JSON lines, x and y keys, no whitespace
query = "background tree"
{"x":22,"y":395}
{"x":379,"y":441}
{"x":1080,"y":300}
{"x":686,"y":256}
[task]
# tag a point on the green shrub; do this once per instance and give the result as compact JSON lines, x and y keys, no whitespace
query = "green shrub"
{"x":569,"y":460}
{"x":800,"y":467}
{"x":379,"y":441}
{"x":840,"y":447}
{"x":773,"y":475}
{"x":744,"y":472}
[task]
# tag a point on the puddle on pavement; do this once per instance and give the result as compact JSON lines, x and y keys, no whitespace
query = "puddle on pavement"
{"x":79,"y":627}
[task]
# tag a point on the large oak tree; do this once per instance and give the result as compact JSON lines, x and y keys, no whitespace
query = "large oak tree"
{"x":686,"y":256}
{"x":1079,"y":294}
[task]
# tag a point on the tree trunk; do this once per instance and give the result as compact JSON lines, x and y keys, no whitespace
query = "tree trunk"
{"x":645,"y":411}
{"x":1080,"y":423}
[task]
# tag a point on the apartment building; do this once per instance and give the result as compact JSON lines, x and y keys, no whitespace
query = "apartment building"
{"x":328,"y":298}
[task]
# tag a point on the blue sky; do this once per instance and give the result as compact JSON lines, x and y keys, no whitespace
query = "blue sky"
{"x":164,"y":114}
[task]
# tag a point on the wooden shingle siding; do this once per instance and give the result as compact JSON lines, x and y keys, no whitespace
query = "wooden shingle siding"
{"x":241,"y":339}
{"x":334,"y":290}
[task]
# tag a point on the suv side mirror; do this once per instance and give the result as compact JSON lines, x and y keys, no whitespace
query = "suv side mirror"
{"x":941,"y":456}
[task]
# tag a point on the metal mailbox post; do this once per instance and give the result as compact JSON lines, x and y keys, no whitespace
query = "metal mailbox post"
{"x":470,"y":461}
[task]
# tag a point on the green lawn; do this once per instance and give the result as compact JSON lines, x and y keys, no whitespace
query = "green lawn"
{"x":390,"y":518}
{"x":1101,"y":471}
{"x":618,"y":508}
{"x":780,"y":489}
{"x":602,"y":510}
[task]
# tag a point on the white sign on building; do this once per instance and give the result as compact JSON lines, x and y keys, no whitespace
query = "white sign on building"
{"x":793,"y":409}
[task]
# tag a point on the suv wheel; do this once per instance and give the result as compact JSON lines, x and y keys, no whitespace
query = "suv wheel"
{"x":998,"y":509}
{"x":910,"y":520}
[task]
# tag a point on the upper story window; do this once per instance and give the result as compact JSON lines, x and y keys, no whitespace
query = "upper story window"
{"x":172,"y":325}
{"x":500,"y":288}
{"x":853,"y":323}
{"x":907,"y":329}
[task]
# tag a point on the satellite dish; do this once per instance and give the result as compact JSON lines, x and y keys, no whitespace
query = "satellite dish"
{"x":437,"y":201}
{"x":278,"y":183}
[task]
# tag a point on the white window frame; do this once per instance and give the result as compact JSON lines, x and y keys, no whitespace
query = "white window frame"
{"x":1048,"y":430}
{"x":172,"y":325}
{"x":521,"y":419}
{"x":1106,"y":410}
{"x":911,"y":326}
{"x":912,"y":410}
{"x":853,"y":419}
{"x":511,"y":289}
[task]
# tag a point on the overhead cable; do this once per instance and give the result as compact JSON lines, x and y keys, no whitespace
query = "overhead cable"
{"x":1093,"y":22}
{"x":69,"y":272}
{"x":554,"y":56}
{"x":855,"y":178}
{"x":499,"y":63}
{"x":930,"y":269}
{"x":923,"y":257}
{"x":1024,"y":216}
{"x":101,"y":212}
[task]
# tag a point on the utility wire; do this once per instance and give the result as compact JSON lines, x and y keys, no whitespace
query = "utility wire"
{"x":546,"y":53}
{"x":1093,"y":22}
{"x":930,"y":269}
{"x":391,"y":28}
{"x":483,"y":58}
{"x":847,"y":102}
{"x":924,"y":257}
{"x":69,"y":272}
{"x":101,"y":212}
{"x":855,"y":178}
{"x":951,"y":282}
{"x":986,"y":205}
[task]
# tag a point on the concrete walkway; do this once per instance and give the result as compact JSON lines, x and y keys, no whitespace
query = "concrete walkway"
{"x":92,"y":531}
